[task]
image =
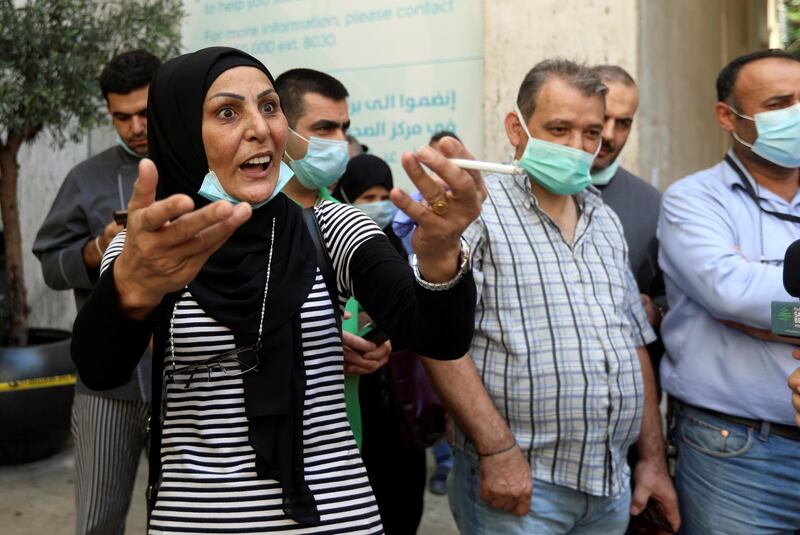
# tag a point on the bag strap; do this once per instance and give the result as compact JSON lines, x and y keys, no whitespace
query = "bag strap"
{"x":324,"y":259}
{"x":747,"y":187}
{"x":160,"y":336}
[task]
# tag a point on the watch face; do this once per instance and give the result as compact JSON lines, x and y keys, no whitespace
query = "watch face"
{"x":466,"y":256}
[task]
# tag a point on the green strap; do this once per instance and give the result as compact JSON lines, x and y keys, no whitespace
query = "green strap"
{"x":325,"y":195}
{"x":322,"y":195}
{"x":352,"y":405}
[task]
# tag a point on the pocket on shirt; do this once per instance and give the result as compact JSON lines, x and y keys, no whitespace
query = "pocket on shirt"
{"x":713,"y":437}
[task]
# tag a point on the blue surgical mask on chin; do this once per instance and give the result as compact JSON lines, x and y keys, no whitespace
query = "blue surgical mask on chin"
{"x":604,"y":176}
{"x":559,"y":169}
{"x":125,"y":147}
{"x":212,"y":190}
{"x":324,"y":163}
{"x":382,"y":212}
{"x":778,"y":139}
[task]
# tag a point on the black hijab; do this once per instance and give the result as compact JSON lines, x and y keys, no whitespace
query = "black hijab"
{"x":363,"y":172}
{"x":230,"y":286}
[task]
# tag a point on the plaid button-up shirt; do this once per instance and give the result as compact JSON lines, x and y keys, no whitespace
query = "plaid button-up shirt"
{"x":556,"y":332}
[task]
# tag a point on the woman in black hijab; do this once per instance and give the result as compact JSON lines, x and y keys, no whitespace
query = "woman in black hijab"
{"x":366,"y":184}
{"x":220,"y":269}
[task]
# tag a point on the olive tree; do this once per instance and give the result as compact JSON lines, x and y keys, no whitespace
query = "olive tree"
{"x":51,"y":55}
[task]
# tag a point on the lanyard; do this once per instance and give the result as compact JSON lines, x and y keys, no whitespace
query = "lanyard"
{"x":747,"y":187}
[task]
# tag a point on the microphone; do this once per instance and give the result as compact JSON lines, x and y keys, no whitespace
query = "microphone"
{"x":791,"y":269}
{"x":786,"y":315}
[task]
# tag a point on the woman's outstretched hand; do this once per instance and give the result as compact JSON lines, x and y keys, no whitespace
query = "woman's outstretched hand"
{"x":167,"y":242}
{"x":451,"y":204}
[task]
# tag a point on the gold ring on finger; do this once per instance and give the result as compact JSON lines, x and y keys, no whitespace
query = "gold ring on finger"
{"x":440,"y":207}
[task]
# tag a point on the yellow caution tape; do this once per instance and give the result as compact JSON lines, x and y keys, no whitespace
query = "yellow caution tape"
{"x":37,"y":382}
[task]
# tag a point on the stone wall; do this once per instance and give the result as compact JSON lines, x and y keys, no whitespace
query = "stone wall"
{"x":42,"y":170}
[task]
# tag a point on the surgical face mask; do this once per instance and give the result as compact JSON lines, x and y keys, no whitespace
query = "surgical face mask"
{"x":212,"y":190}
{"x":559,"y":169}
{"x":126,"y":148}
{"x":778,"y":135}
{"x":323,"y":164}
{"x":382,"y":212}
{"x":604,"y":176}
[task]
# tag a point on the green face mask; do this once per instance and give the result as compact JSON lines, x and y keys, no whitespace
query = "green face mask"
{"x":559,"y":169}
{"x":604,"y":176}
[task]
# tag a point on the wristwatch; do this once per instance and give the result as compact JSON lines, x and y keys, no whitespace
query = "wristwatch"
{"x":463,"y":267}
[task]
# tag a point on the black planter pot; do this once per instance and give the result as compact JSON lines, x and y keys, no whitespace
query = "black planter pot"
{"x":36,"y":389}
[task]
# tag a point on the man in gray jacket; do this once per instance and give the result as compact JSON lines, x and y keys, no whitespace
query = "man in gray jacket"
{"x":637,"y":204}
{"x":635,"y":201}
{"x":109,"y":428}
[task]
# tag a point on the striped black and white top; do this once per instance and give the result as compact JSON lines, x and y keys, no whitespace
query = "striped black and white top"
{"x":209,"y":482}
{"x":557,"y":327}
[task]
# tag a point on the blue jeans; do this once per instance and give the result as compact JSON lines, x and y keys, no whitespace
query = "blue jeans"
{"x":443,"y":454}
{"x":554,"y":509}
{"x":734,"y":480}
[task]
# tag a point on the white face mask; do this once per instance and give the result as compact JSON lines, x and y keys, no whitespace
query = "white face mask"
{"x":126,"y":148}
{"x":778,"y":139}
{"x":560,"y":169}
{"x":382,"y":212}
{"x":212,"y":189}
{"x":604,"y":176}
{"x":324,"y":163}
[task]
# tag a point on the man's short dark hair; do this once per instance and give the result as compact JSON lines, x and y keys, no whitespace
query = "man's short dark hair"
{"x":614,"y":74}
{"x":726,"y":80}
{"x":575,"y":74}
{"x":128,"y":71}
{"x":295,"y":83}
{"x":440,"y":134}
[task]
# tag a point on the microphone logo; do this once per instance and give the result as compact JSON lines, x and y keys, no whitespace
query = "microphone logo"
{"x":786,"y":315}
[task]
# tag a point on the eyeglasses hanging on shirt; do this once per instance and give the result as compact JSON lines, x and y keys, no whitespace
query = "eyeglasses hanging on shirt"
{"x":747,"y":187}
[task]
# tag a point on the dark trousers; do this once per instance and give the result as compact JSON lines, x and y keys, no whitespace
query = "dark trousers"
{"x":396,"y":472}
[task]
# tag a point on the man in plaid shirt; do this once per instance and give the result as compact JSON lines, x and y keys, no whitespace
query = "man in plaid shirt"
{"x":558,"y":383}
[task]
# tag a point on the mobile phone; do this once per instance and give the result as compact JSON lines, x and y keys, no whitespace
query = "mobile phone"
{"x":121,"y":217}
{"x":650,"y":521}
{"x":371,"y":333}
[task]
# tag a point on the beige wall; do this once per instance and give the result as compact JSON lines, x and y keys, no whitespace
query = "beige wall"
{"x":520,"y":33}
{"x":683,"y":44}
{"x":674,"y":49}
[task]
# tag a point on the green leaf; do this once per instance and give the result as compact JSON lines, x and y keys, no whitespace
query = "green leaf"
{"x":52,"y":54}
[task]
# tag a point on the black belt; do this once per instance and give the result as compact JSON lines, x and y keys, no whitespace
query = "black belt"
{"x":782,"y":430}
